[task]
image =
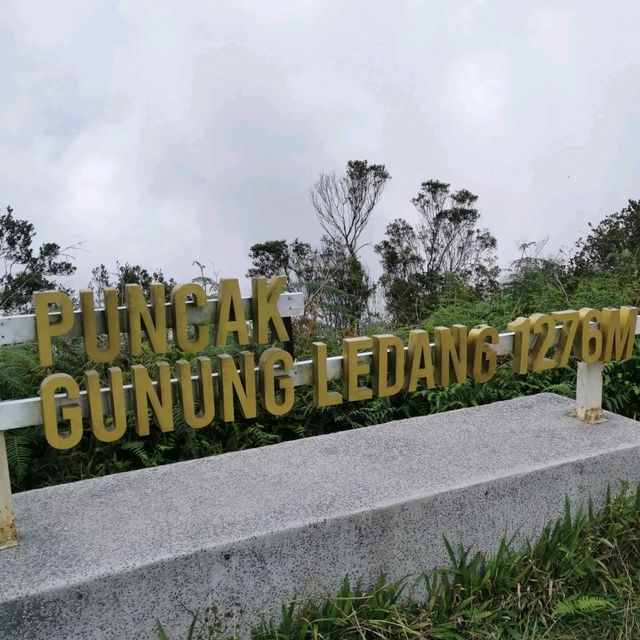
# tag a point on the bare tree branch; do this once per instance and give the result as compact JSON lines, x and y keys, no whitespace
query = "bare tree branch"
{"x":344,"y":204}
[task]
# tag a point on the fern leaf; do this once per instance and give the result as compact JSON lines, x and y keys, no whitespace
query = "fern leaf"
{"x":575,"y":605}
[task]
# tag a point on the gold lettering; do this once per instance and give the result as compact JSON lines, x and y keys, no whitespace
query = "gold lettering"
{"x":45,"y":329}
{"x":588,"y":343}
{"x":264,"y":301}
{"x":155,"y":322}
{"x":544,"y":329}
{"x":179,"y":296}
{"x":352,"y":368}
{"x":618,"y":332}
{"x":230,"y":313}
{"x":118,"y":409}
{"x":112,"y":325}
{"x":71,"y":413}
{"x":145,"y":394}
{"x":483,"y":358}
{"x":322,"y":397}
{"x":521,"y":328}
{"x":241,"y":386}
{"x":419,"y":361}
{"x":276,"y":389}
{"x":451,"y":351}
{"x":382,"y":387}
{"x":569,"y":319}
{"x":206,"y":414}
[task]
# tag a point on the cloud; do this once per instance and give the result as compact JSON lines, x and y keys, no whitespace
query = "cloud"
{"x":161,"y":133}
{"x":550,"y":34}
{"x":477,"y":93}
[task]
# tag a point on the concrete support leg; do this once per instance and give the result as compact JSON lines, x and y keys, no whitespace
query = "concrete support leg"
{"x":589,"y":391}
{"x":8,"y":537}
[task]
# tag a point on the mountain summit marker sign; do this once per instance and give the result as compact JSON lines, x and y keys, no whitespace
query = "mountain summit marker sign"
{"x":375,"y":366}
{"x":592,"y":335}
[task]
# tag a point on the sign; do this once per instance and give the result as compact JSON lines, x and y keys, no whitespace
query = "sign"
{"x":221,"y":387}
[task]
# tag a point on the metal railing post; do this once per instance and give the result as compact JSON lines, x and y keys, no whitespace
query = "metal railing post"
{"x":589,"y":391}
{"x":8,"y":536}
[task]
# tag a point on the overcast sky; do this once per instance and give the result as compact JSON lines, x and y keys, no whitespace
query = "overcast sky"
{"x":161,"y":133}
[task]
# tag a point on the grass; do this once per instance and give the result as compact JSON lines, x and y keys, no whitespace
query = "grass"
{"x":579,"y":581}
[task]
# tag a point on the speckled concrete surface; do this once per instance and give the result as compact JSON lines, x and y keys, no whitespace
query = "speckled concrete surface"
{"x":105,"y":558}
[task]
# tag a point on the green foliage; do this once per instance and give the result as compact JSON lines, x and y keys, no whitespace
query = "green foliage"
{"x":125,"y":274}
{"x":344,"y":288}
{"x":404,"y":282}
{"x":615,"y":234}
{"x":270,"y":258}
{"x":496,"y":311}
{"x":451,"y":242}
{"x":443,"y":255}
{"x":579,"y":581}
{"x":618,"y":285}
{"x":20,"y":373}
{"x":575,"y":605}
{"x":26,"y":269}
{"x":343,"y":205}
{"x":297,"y":261}
{"x":22,"y":445}
{"x":34,"y":464}
{"x":337,"y":289}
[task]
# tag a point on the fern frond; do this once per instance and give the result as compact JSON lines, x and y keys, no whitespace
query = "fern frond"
{"x":136,"y":447}
{"x":575,"y":605}
{"x":20,"y":445}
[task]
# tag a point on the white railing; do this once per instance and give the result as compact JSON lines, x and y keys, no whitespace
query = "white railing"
{"x":26,"y":412}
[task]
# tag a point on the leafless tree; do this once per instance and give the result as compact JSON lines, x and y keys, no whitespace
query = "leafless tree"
{"x":344,"y":204}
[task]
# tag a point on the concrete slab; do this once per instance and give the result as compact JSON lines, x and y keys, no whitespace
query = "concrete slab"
{"x":105,"y":558}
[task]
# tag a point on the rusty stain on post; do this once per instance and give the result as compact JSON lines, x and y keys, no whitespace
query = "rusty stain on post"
{"x":8,"y":535}
{"x":589,"y":391}
{"x":592,"y":415}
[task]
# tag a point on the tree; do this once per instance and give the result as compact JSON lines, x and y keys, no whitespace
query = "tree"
{"x":616,"y":233}
{"x":341,"y":288}
{"x":127,"y":274}
{"x":344,"y":204}
{"x":335,"y":283}
{"x":445,"y":253}
{"x":27,"y":269}
{"x":297,"y":260}
{"x":536,"y":282}
{"x":403,"y":279}
{"x":269,"y":259}
{"x":277,"y":257}
{"x":451,"y":241}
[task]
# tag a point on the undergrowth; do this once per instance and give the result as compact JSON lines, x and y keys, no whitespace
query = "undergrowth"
{"x":579,"y":581}
{"x":34,"y":464}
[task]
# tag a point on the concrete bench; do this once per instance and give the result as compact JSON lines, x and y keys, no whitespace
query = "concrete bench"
{"x":105,"y":558}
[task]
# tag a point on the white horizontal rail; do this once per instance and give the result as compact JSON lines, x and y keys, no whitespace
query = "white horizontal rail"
{"x":27,"y":412}
{"x":18,"y":329}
